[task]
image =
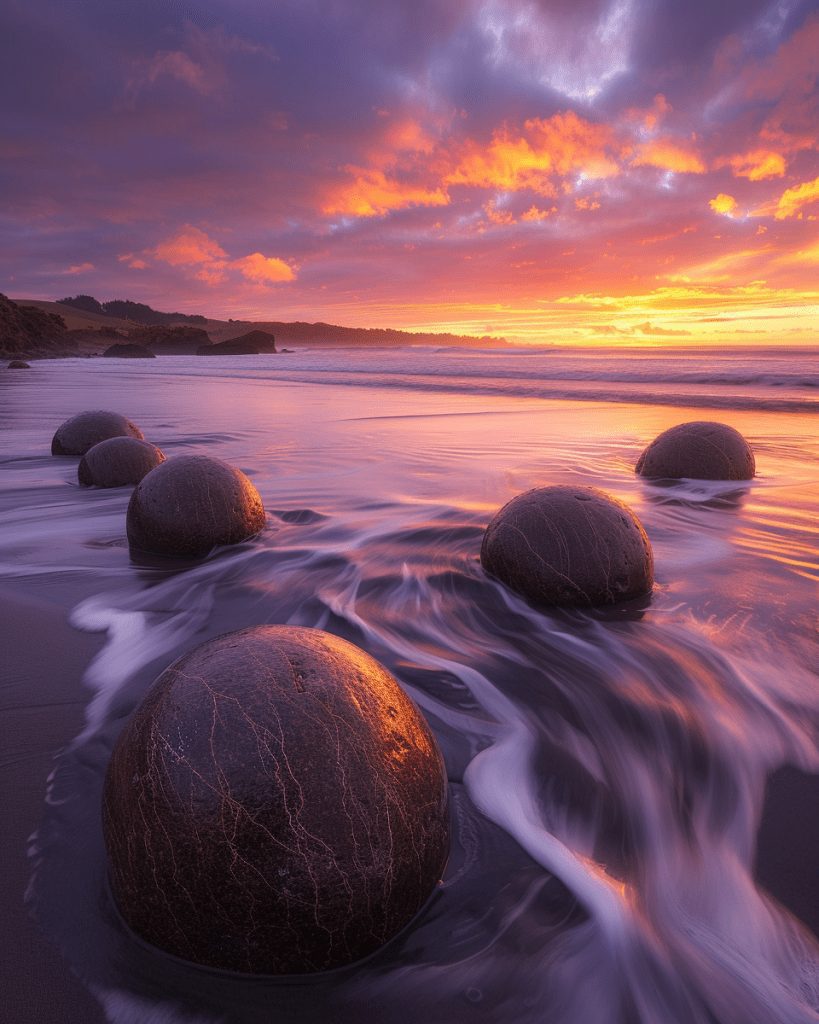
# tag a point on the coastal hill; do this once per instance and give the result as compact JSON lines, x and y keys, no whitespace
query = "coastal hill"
{"x":84,"y":313}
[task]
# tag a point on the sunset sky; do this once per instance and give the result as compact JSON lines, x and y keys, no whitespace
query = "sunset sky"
{"x":585,"y":171}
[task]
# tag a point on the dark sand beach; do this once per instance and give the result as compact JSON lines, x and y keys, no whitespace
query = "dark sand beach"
{"x":607,"y":768}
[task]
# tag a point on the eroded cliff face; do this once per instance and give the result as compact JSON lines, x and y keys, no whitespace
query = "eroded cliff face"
{"x":26,"y":330}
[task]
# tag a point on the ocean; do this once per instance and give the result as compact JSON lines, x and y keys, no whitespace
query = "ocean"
{"x":614,"y":856}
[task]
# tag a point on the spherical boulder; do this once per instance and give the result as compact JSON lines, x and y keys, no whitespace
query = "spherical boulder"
{"x":191,"y":503}
{"x":117,"y":462}
{"x":699,"y":450}
{"x":569,"y":546}
{"x":83,"y":431}
{"x":18,"y":364}
{"x":276,"y":805}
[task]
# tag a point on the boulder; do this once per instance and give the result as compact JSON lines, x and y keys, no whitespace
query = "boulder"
{"x":569,"y":546}
{"x":276,"y":805}
{"x":190,"y":504}
{"x":698,"y":450}
{"x":129,"y":351}
{"x":18,"y":364}
{"x":117,"y":462}
{"x":83,"y":431}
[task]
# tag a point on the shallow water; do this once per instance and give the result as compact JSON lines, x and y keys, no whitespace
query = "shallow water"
{"x":607,"y":768}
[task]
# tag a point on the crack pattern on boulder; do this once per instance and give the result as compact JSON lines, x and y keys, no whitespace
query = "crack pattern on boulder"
{"x":190,"y":504}
{"x":569,"y":546}
{"x":117,"y":462}
{"x":83,"y":431}
{"x":277,"y":804}
{"x":699,"y":450}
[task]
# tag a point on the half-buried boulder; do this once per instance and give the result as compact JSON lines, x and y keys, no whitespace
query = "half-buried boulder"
{"x":129,"y":351}
{"x":276,"y":805}
{"x":569,"y":546}
{"x":83,"y":431}
{"x":699,"y":450}
{"x":189,"y":505}
{"x":117,"y":462}
{"x":19,"y":364}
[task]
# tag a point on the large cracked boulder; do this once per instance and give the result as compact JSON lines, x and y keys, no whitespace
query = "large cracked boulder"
{"x":699,"y":450}
{"x":190,"y":504}
{"x":276,"y":805}
{"x":569,"y":546}
{"x":83,"y":431}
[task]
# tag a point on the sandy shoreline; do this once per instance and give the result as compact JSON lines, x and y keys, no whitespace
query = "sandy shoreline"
{"x":38,"y":720}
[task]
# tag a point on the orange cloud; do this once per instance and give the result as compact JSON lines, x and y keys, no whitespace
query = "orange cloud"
{"x":561,"y":145}
{"x":372,"y":194}
{"x":756,"y":165}
{"x":723,"y":204}
{"x":668,"y":156}
{"x":586,"y":203}
{"x":792,"y":200}
{"x":264,"y":269}
{"x":190,"y":247}
{"x":534,"y":213}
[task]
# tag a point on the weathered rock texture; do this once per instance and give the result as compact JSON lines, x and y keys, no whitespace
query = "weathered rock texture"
{"x":277,"y":804}
{"x":83,"y":431}
{"x":191,"y":503}
{"x":117,"y":462}
{"x":129,"y":351}
{"x":699,"y":450}
{"x":569,"y":546}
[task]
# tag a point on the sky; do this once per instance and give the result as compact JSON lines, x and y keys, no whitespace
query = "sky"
{"x":549,"y":171}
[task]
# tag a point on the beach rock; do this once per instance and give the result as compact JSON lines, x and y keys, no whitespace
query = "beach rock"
{"x":276,"y":805}
{"x":170,"y":341}
{"x":699,"y":450}
{"x":18,"y":364}
{"x":129,"y":351}
{"x":83,"y":431}
{"x":191,"y":503}
{"x":261,"y":341}
{"x":234,"y":347}
{"x":569,"y":546}
{"x":117,"y":462}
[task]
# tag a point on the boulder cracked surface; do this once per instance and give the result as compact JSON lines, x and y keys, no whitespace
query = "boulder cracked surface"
{"x":190,"y":504}
{"x":83,"y":431}
{"x":569,"y":546}
{"x":699,"y":450}
{"x":277,"y":804}
{"x":117,"y":462}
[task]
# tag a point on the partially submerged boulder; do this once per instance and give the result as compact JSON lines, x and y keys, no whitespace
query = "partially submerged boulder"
{"x":190,"y":504}
{"x":276,"y":805}
{"x":569,"y":546}
{"x":117,"y":462}
{"x":698,"y":450}
{"x":18,"y":364}
{"x":83,"y":431}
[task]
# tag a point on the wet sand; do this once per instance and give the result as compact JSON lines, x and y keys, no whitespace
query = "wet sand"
{"x":42,"y":702}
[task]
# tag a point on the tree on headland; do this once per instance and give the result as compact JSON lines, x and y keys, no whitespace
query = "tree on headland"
{"x":124,"y":309}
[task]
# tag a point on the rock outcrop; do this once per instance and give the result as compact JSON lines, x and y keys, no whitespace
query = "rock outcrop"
{"x":27,"y":331}
{"x":234,"y":347}
{"x":261,"y":341}
{"x":170,"y":341}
